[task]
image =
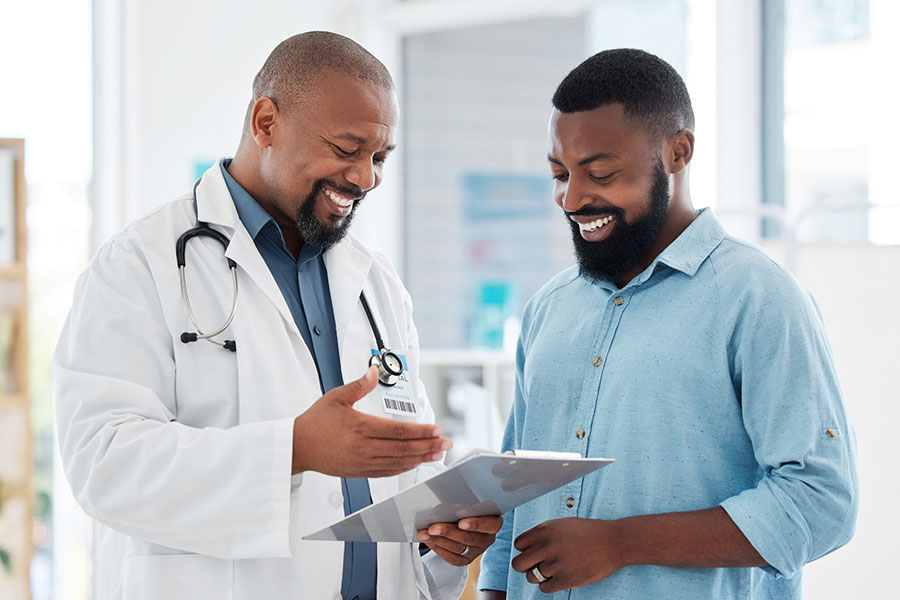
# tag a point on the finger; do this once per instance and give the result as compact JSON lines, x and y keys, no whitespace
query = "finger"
{"x":546,"y":572}
{"x":389,"y":429}
{"x":431,"y":447}
{"x":531,"y":537}
{"x":553,"y":585}
{"x":449,"y":544}
{"x":467,"y":538}
{"x":452,"y":558}
{"x":482,"y":524}
{"x":526,"y":561}
{"x":351,"y":392}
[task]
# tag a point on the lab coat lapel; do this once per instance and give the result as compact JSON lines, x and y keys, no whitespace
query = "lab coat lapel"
{"x":216,"y":207}
{"x":347,"y":269}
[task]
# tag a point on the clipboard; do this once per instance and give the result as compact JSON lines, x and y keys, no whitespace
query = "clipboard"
{"x":480,"y":484}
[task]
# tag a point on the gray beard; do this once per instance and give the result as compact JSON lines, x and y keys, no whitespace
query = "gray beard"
{"x":313,"y":231}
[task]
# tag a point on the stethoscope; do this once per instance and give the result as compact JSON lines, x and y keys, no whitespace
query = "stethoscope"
{"x":388,"y":363}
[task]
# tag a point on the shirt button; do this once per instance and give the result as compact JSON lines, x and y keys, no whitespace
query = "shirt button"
{"x":579,"y":434}
{"x":831,"y":432}
{"x":659,"y":267}
{"x":598,"y":361}
{"x":619,"y":301}
{"x":570,"y":502}
{"x":336,"y":499}
{"x":316,"y":330}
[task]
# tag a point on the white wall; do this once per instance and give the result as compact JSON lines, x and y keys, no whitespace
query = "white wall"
{"x":476,"y":100}
{"x":858,"y":291}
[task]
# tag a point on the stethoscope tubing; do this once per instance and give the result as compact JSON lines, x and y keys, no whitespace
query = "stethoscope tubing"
{"x":386,"y":374}
{"x":201,"y":335}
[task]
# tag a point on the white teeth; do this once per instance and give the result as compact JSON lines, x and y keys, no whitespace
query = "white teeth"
{"x":595,"y":225}
{"x":339,"y":200}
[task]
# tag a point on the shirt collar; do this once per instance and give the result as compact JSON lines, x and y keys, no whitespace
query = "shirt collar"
{"x":256,"y":219}
{"x":252,"y":215}
{"x":685,"y":254}
{"x":694,"y":245}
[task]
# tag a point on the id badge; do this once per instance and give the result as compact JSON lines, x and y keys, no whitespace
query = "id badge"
{"x":398,"y":399}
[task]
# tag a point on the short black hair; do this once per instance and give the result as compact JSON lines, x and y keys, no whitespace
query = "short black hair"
{"x":650,"y":90}
{"x":291,"y":71}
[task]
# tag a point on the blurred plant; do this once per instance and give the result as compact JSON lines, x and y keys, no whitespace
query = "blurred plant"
{"x":5,"y":559}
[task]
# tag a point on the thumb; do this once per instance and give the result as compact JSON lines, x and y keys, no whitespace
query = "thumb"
{"x":350,"y":393}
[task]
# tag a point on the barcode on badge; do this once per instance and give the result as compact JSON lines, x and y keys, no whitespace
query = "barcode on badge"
{"x":399,"y":407}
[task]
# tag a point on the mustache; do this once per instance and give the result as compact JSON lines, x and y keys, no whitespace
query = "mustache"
{"x":354,"y":192}
{"x":590,"y":211}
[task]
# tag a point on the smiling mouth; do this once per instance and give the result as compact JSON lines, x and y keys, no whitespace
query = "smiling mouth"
{"x":595,"y":225}
{"x":338,"y":199}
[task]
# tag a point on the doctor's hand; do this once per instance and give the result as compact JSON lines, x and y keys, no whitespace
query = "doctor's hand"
{"x":333,"y":438}
{"x":461,"y":543}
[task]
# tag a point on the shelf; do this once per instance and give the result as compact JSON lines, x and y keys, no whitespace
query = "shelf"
{"x":17,"y":271}
{"x":12,"y":399}
{"x":464,"y":357}
{"x":15,"y":404}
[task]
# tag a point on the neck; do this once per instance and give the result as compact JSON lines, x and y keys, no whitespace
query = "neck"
{"x":245,"y":169}
{"x":681,"y":214}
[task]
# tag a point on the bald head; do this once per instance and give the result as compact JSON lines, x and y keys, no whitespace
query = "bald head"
{"x":291,"y":72}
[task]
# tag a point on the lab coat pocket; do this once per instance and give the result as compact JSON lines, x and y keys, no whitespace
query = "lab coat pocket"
{"x":177,"y":577}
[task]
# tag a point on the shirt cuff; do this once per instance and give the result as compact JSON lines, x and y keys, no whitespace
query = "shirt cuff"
{"x":770,"y":528}
{"x":445,"y":581}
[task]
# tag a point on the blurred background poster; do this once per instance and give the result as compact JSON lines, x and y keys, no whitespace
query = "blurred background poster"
{"x":508,"y":220}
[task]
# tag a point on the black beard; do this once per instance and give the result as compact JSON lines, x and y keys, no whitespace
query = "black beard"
{"x":313,"y":231}
{"x":629,"y":242}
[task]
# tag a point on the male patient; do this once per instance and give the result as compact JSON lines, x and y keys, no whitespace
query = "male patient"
{"x":686,"y":354}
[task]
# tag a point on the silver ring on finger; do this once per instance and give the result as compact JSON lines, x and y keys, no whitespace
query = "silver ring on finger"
{"x":538,"y":575}
{"x":466,"y":551}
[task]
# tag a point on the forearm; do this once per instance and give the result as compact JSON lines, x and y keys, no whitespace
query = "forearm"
{"x":491,"y":595}
{"x":237,"y":481}
{"x":703,"y":538}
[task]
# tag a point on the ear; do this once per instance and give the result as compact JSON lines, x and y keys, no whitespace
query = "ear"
{"x":262,"y":121}
{"x":679,"y":151}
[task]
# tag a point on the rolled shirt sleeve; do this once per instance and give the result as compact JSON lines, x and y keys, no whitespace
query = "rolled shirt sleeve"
{"x":805,"y":503}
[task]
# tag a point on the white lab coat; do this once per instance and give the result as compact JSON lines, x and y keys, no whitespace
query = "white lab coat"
{"x":181,"y":453}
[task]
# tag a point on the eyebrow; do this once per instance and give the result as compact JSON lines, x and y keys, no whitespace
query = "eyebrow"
{"x":362,"y":141}
{"x":589,"y":159}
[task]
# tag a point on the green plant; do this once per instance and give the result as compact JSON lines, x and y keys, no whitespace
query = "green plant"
{"x":5,"y":559}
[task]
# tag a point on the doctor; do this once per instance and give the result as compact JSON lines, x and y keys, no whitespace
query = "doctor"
{"x":204,"y":461}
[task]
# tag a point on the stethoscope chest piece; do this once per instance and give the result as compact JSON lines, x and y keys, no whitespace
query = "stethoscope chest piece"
{"x":389,"y":366}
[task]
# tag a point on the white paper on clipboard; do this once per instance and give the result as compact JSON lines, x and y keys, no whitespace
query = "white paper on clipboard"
{"x":481,"y":484}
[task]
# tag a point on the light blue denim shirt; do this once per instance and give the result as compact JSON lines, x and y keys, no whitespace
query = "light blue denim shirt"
{"x":709,"y":379}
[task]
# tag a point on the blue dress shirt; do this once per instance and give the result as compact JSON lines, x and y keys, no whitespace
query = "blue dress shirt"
{"x":709,"y":379}
{"x":299,"y":279}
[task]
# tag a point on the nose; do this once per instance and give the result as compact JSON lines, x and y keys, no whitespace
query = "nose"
{"x":573,"y":196}
{"x":363,"y":174}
